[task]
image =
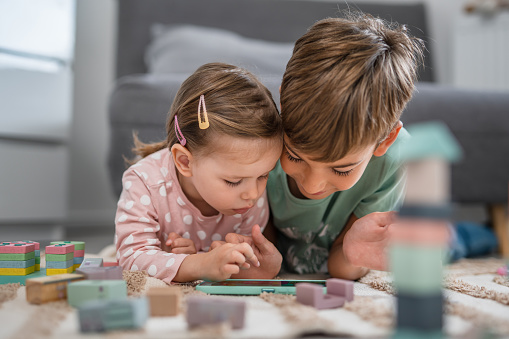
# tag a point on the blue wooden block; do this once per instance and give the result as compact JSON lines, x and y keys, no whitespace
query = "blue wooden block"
{"x":77,"y":260}
{"x":420,"y":312}
{"x":17,"y":263}
{"x":59,"y":264}
{"x":107,"y":315}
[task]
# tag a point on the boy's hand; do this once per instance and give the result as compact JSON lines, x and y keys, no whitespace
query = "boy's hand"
{"x":179,"y":245}
{"x":366,"y":241}
{"x":265,"y":251}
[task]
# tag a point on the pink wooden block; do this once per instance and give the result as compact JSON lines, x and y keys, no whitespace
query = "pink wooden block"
{"x":212,"y":310}
{"x":340,"y":288}
{"x":79,"y":253}
{"x":59,"y":249}
{"x":16,"y":248}
{"x":36,"y":244}
{"x":312,"y":295}
{"x":110,"y":263}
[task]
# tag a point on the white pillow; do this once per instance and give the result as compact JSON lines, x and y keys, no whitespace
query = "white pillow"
{"x":184,"y":48}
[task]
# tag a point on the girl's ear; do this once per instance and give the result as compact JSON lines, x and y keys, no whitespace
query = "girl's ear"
{"x":387,"y":142}
{"x":182,"y":158}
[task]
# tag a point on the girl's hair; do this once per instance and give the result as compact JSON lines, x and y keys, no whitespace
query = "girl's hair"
{"x":347,"y":84}
{"x":237,"y":103}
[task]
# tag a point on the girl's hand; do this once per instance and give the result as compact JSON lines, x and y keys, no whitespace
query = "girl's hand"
{"x":179,"y":245}
{"x":223,"y":261}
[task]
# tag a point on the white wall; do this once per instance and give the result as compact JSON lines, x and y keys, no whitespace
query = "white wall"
{"x":91,"y":198}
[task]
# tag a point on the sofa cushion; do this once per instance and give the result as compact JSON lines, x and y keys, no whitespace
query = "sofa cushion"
{"x":183,"y":48}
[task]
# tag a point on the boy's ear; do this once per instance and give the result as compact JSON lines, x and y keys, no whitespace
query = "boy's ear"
{"x":387,"y":142}
{"x":182,"y":158}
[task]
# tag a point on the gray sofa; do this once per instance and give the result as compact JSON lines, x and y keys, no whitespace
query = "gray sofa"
{"x":152,"y":62}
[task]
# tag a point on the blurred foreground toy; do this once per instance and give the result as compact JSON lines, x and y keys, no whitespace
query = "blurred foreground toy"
{"x":107,"y":315}
{"x":85,"y":290}
{"x":418,"y":247}
{"x":338,"y":291}
{"x":212,"y":310}
{"x":50,"y":288}
{"x":164,"y":301}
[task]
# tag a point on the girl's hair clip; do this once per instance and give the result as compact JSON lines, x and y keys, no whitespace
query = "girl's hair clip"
{"x":203,"y":118}
{"x":178,"y":132}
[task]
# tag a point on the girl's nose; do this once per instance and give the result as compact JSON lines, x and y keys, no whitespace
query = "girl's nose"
{"x":250,"y":193}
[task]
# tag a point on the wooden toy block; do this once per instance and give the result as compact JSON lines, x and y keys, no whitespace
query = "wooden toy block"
{"x":17,"y":263}
{"x":340,"y":288}
{"x":110,"y":263}
{"x":101,"y":273}
{"x":17,"y":271}
{"x":16,"y":248}
{"x":210,"y":310}
{"x":92,"y":262}
{"x":164,"y":301}
{"x":78,"y":245}
{"x":59,"y":264}
{"x":81,"y":291}
{"x":77,"y":260}
{"x":36,"y":244}
{"x":37,"y":267}
{"x":53,"y":271}
{"x":107,"y":315}
{"x":60,"y":249}
{"x":312,"y":295}
{"x":50,"y":288}
{"x":17,"y":256}
{"x":79,"y":253}
{"x":421,"y":313}
{"x":60,"y":257}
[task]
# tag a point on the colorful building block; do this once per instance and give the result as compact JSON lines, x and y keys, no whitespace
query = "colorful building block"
{"x":210,"y":310}
{"x":164,"y":301}
{"x":17,"y":263}
{"x":17,"y":256}
{"x":60,"y":249}
{"x":49,"y":288}
{"x":338,"y":291}
{"x":59,"y":264}
{"x":82,"y":291}
{"x":78,"y":245}
{"x":107,"y":315}
{"x":101,"y":273}
{"x":53,"y":271}
{"x":17,"y":271}
{"x":35,"y":243}
{"x":92,"y":262}
{"x":60,"y":257}
{"x":110,"y":263}
{"x":16,"y":248}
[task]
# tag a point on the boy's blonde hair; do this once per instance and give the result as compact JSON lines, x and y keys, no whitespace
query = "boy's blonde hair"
{"x":347,"y":84}
{"x":237,"y":104}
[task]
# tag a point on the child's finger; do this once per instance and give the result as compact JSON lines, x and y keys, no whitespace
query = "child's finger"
{"x":181,"y":242}
{"x":183,"y":250}
{"x":231,"y":269}
{"x":247,"y":251}
{"x":215,"y":244}
{"x":234,"y":238}
{"x":171,"y":238}
{"x":262,"y":243}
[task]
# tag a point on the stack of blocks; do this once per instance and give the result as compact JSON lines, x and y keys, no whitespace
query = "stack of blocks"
{"x":59,"y":259}
{"x":37,"y":252}
{"x":79,"y":251}
{"x":17,"y":258}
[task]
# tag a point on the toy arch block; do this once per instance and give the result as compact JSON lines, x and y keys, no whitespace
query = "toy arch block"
{"x":338,"y":291}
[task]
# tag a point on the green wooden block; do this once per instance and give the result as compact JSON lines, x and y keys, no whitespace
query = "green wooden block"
{"x":60,"y":257}
{"x":17,"y":256}
{"x":417,"y":269}
{"x":38,"y":260}
{"x":85,"y":290}
{"x":78,"y":245}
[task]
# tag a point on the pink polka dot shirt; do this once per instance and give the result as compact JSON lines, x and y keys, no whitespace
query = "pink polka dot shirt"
{"x":152,"y":205}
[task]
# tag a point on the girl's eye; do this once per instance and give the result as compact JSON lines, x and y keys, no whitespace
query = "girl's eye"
{"x":264,"y":177}
{"x":345,"y":173}
{"x":232,"y":184}
{"x":292,"y":158}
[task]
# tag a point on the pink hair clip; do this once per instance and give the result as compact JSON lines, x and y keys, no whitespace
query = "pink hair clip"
{"x":203,"y":123}
{"x":179,"y":134}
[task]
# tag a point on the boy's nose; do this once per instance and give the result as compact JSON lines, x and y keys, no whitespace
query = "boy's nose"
{"x":313,"y":183}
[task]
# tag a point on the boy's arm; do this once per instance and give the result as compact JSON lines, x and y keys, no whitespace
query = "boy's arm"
{"x":338,"y":264}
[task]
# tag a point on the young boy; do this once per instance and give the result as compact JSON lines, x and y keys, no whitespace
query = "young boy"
{"x":343,"y":92}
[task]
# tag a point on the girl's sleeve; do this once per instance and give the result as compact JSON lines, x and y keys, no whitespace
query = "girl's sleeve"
{"x":257,"y":215}
{"x":137,"y":229}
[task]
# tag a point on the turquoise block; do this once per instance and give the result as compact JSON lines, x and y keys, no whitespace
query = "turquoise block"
{"x":85,"y":290}
{"x":37,"y":253}
{"x":77,"y":260}
{"x":17,"y":263}
{"x":59,"y":264}
{"x":107,"y":315}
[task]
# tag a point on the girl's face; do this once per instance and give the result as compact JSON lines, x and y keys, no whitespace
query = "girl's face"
{"x":234,"y":175}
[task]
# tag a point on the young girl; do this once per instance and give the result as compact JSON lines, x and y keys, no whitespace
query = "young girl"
{"x":207,"y":179}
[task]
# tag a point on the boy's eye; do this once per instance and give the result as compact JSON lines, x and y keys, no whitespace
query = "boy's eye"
{"x":345,"y":173}
{"x":292,"y":158}
{"x":232,"y":184}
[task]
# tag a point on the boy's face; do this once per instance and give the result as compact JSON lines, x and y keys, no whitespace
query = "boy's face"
{"x":317,"y":180}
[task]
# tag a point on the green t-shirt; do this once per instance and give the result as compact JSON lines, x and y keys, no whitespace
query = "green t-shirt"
{"x":307,"y":228}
